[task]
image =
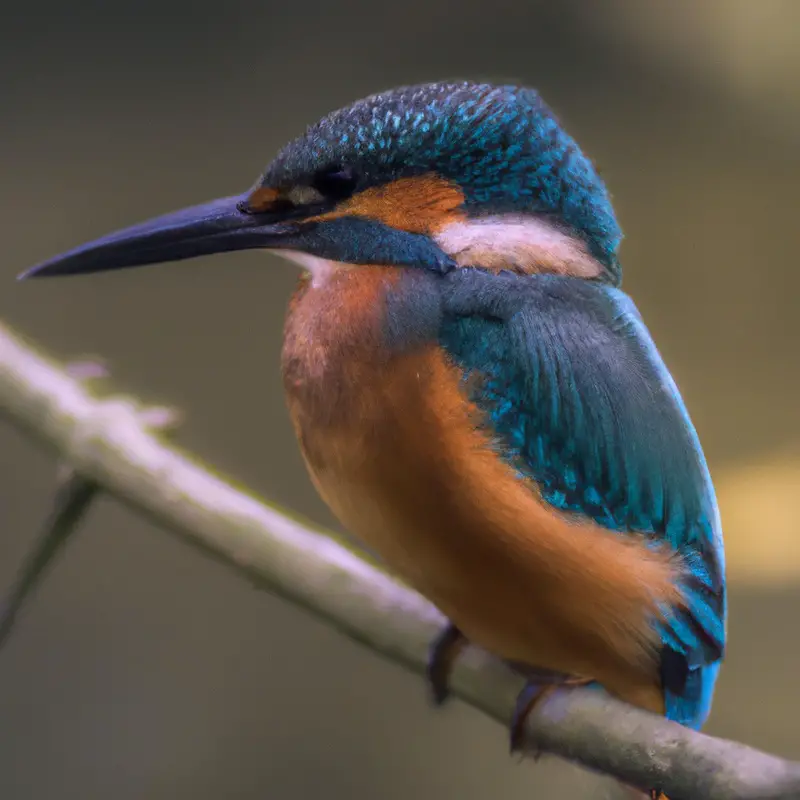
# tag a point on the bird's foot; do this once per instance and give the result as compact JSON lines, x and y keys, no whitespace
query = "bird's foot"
{"x":531,"y":695}
{"x":443,"y":652}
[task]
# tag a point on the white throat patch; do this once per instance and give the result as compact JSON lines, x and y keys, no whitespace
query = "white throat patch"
{"x":321,"y":269}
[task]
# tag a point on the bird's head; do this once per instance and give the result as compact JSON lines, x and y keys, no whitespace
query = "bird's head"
{"x":432,"y":176}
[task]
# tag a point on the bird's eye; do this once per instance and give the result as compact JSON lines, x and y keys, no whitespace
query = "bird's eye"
{"x":336,"y":183}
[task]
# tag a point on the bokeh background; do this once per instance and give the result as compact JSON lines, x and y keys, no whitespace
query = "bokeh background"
{"x":142,"y":670}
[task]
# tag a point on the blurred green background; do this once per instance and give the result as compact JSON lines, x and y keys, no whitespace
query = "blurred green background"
{"x":142,"y":670}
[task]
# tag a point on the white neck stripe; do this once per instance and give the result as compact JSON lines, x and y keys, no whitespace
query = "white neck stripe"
{"x":517,"y":242}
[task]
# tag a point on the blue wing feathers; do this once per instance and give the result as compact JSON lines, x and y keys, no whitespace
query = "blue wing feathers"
{"x":575,"y":390}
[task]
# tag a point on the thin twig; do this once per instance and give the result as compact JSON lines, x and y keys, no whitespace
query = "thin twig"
{"x":107,"y":442}
{"x":73,"y":497}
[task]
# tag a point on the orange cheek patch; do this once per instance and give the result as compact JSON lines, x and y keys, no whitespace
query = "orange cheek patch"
{"x":417,"y":205}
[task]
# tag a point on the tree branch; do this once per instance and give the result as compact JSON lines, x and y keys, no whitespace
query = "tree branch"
{"x":108,"y":443}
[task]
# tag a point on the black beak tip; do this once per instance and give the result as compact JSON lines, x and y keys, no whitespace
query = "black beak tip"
{"x":38,"y":271}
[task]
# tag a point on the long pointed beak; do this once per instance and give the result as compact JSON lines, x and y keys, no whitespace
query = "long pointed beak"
{"x":215,"y":227}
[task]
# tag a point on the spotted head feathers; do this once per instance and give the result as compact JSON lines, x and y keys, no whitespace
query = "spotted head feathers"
{"x":501,"y":146}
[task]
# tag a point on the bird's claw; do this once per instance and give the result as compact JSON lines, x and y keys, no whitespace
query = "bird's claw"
{"x":531,"y":695}
{"x":442,"y":654}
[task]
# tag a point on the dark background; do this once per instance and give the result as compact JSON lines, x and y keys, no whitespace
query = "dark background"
{"x":142,"y":670}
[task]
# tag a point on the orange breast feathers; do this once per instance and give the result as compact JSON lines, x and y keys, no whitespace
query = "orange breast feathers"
{"x":398,"y":453}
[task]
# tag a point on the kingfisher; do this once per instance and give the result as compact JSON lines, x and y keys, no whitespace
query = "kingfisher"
{"x":475,"y":398}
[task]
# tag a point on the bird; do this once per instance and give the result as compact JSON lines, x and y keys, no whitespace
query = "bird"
{"x":475,"y":397}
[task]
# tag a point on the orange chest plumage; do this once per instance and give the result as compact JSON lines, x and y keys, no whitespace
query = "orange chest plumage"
{"x":333,"y":345}
{"x":398,"y":453}
{"x":353,"y":401}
